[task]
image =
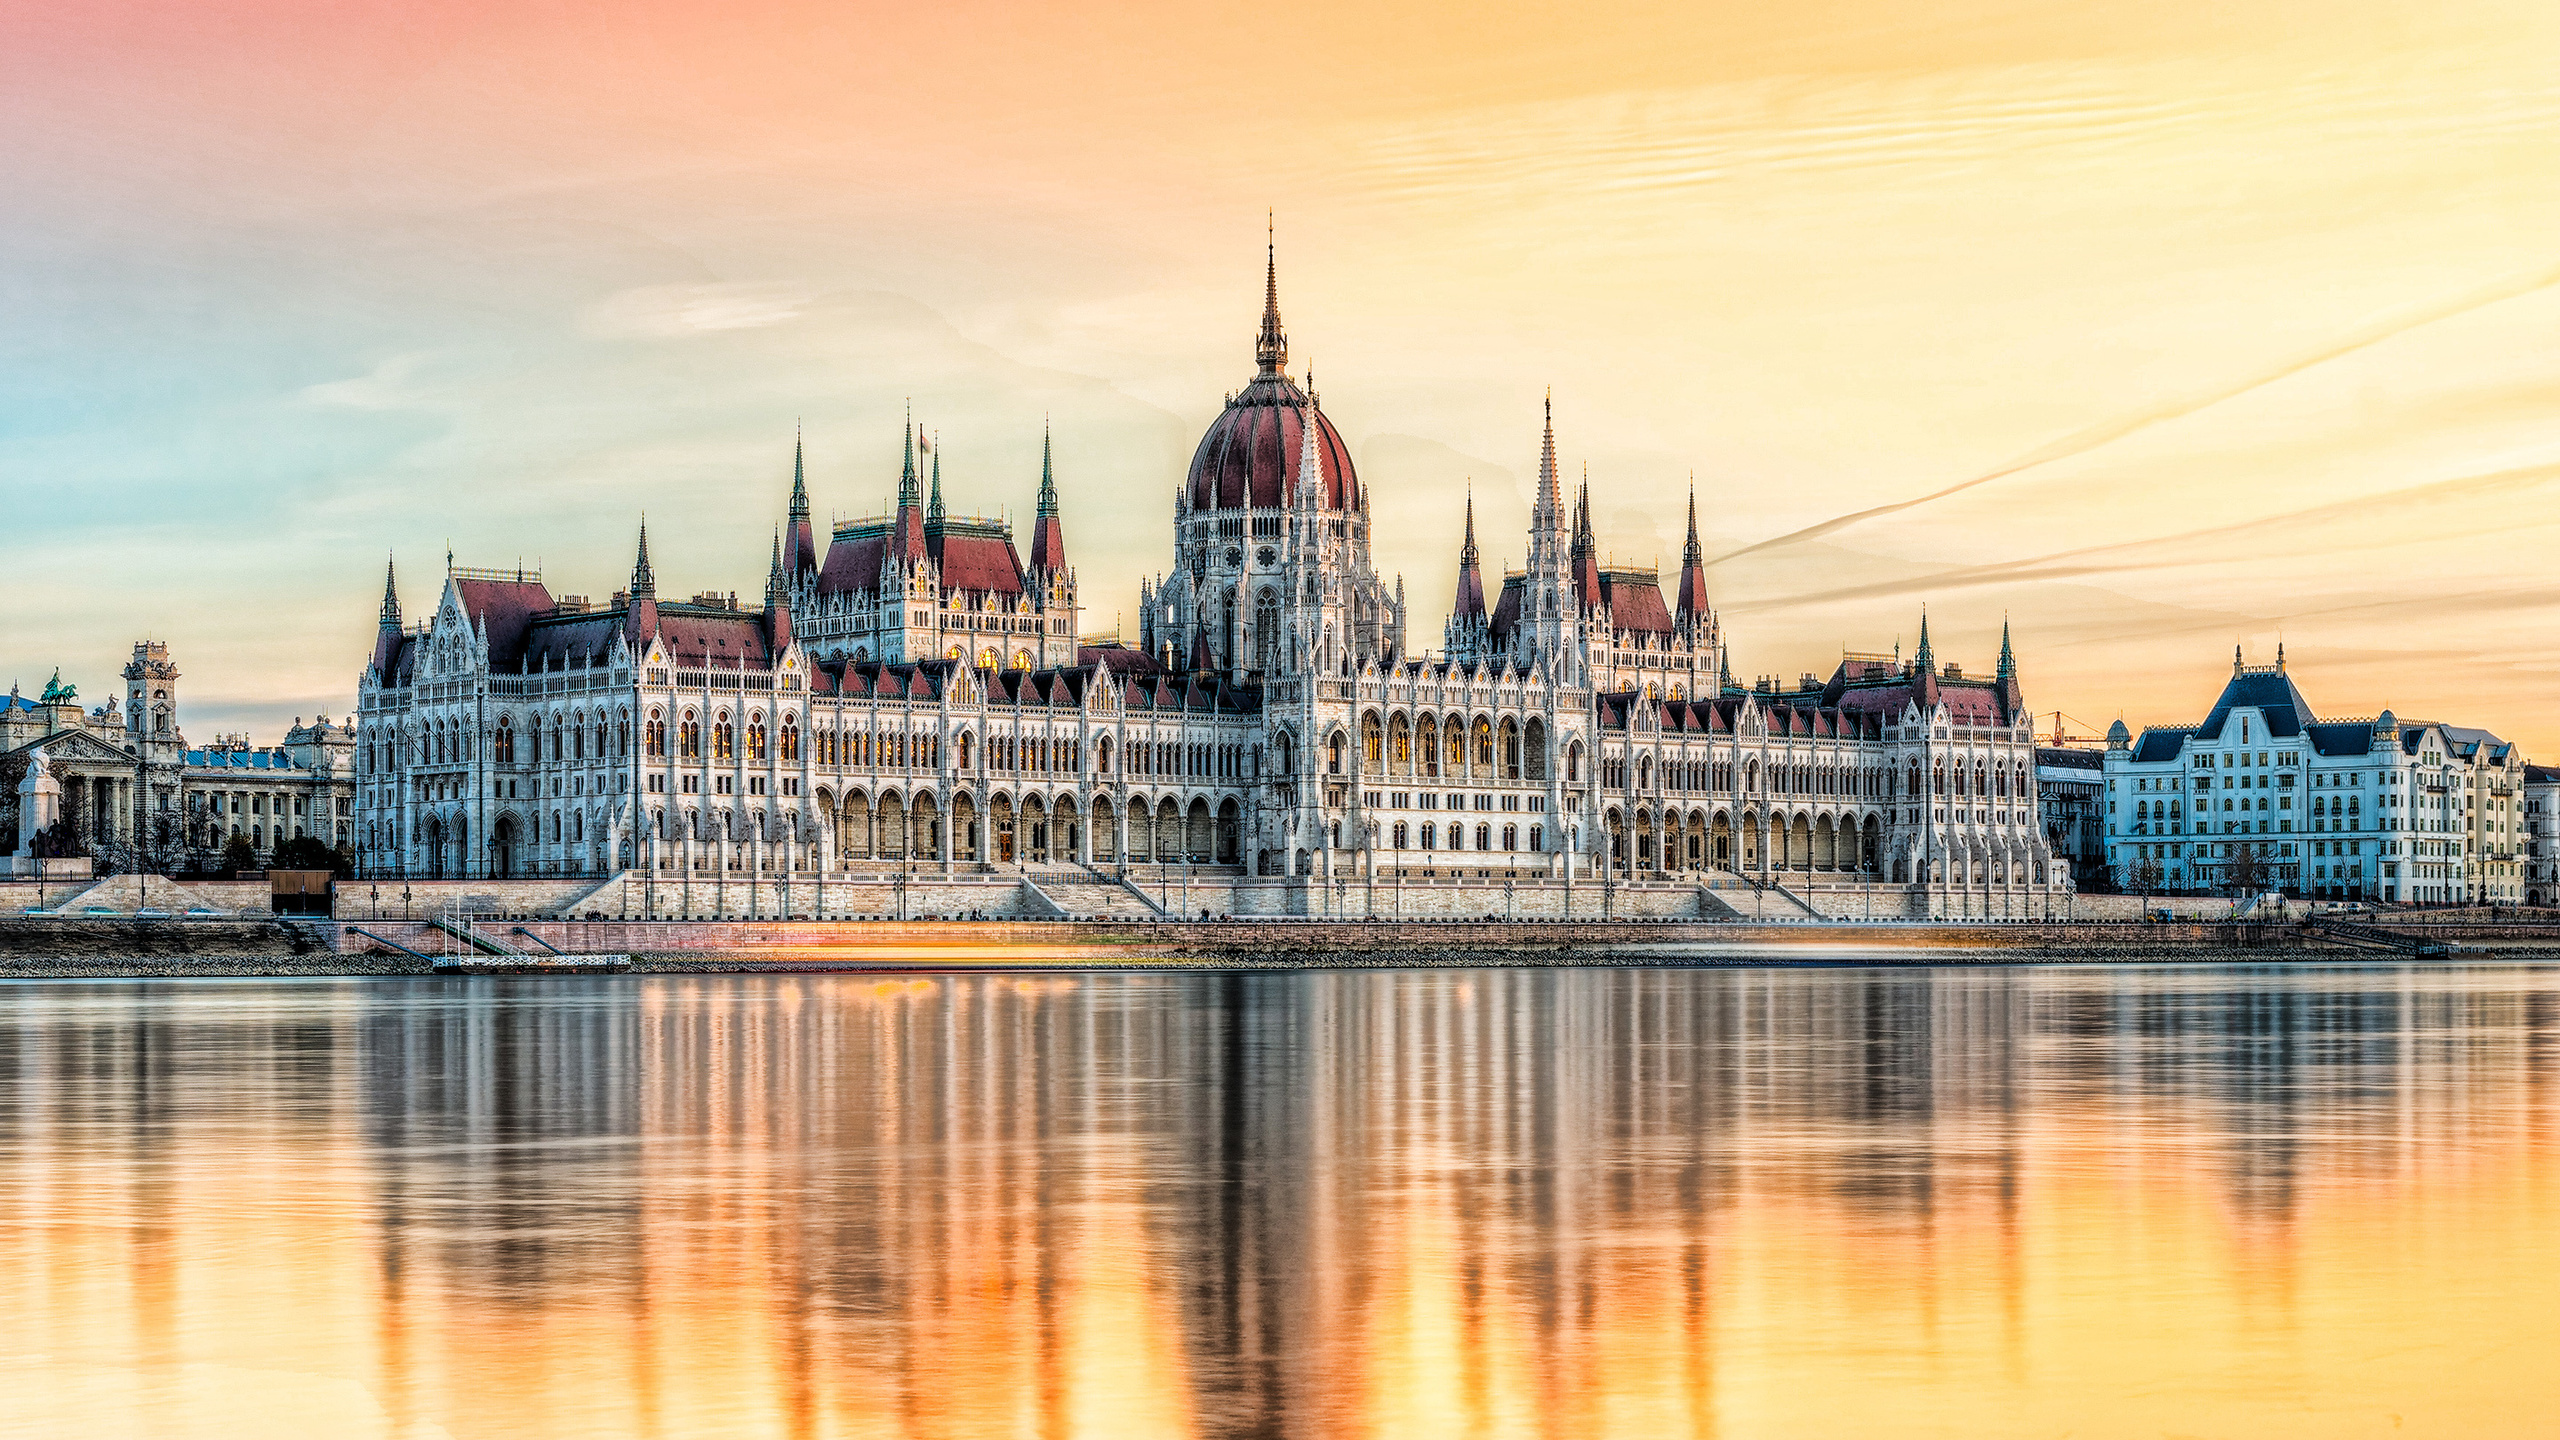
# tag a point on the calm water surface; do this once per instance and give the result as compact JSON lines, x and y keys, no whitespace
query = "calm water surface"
{"x":1793,"y":1202}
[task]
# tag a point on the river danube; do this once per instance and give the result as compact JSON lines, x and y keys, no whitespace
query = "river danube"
{"x":2095,"y":1201}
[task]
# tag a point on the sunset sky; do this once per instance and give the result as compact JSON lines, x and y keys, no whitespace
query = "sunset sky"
{"x":2242,"y":314}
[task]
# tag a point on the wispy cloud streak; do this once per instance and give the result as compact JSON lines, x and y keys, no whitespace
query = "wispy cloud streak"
{"x":2110,"y":431}
{"x":2122,"y":555}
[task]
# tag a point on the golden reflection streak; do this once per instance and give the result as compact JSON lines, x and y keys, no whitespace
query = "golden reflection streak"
{"x":1503,"y":1203}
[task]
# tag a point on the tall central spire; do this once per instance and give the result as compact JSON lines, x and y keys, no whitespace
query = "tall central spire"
{"x":1271,"y":348}
{"x":390,"y":595}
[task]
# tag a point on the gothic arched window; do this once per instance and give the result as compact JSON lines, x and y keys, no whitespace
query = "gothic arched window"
{"x":1266,"y":630}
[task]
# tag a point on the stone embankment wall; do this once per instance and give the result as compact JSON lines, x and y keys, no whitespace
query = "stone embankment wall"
{"x":940,"y":944}
{"x":228,"y":896}
{"x":158,"y":938}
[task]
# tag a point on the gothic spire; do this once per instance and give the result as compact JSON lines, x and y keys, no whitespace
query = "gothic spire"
{"x":933,"y":511}
{"x":644,"y":583}
{"x":1048,"y":476}
{"x":1586,"y":556}
{"x":390,"y":596}
{"x":773,"y":582}
{"x":906,"y":531}
{"x":1310,"y":491}
{"x":1271,"y":347}
{"x":2008,"y":658}
{"x":1550,"y":490}
{"x":799,"y":545}
{"x":1470,"y":603}
{"x":1048,"y":536}
{"x":1924,"y":660}
{"x":799,"y":480}
{"x":907,"y":470}
{"x":1693,"y":568}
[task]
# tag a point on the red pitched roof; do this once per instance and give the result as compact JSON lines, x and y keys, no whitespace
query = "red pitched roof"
{"x":1635,"y":602}
{"x":980,"y":563}
{"x":853,"y":564}
{"x":726,"y":639}
{"x":504,"y":609}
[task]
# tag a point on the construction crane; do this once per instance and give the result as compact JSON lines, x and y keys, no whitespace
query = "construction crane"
{"x":2059,"y":736}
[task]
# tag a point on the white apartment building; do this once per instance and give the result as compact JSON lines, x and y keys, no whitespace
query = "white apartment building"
{"x":2355,"y":809}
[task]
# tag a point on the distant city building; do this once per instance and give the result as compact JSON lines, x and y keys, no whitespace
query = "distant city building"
{"x":2541,"y":835}
{"x":2071,"y":788}
{"x":141,"y":798}
{"x":916,"y":694}
{"x":2364,"y":809}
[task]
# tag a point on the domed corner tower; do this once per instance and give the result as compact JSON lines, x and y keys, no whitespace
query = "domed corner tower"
{"x":1271,"y":570}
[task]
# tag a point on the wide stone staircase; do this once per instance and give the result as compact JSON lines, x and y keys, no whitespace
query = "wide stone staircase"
{"x":1080,"y":894}
{"x":126,"y":894}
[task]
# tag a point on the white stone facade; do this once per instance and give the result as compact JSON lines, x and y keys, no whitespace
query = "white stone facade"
{"x":916,"y":701}
{"x":2357,"y":809}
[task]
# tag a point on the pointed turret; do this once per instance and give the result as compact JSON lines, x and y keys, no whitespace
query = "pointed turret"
{"x":907,"y":460}
{"x":1470,"y":602}
{"x":390,"y":598}
{"x":1693,"y":568}
{"x":800,"y":545}
{"x":640,"y":619}
{"x":777,"y":603}
{"x":1924,"y":668}
{"x":1271,"y":347}
{"x":1586,"y":550}
{"x":933,"y":506}
{"x":1310,"y":491}
{"x":2004,"y":683}
{"x":1048,"y":537}
{"x":906,"y":535}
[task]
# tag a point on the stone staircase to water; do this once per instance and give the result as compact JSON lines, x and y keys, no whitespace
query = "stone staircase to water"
{"x":125,"y":894}
{"x":1087,"y":895}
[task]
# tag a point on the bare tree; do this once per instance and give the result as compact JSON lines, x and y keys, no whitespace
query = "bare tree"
{"x":2248,"y":871}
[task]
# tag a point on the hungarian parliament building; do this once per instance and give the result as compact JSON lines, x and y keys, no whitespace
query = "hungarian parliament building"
{"x":915,"y":697}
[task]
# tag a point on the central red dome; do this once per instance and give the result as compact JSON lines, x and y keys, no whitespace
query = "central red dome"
{"x":1251,"y":455}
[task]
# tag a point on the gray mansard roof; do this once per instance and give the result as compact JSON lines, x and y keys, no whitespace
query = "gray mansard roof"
{"x":2288,"y":716}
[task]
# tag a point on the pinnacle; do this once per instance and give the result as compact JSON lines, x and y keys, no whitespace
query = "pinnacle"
{"x":1271,"y":347}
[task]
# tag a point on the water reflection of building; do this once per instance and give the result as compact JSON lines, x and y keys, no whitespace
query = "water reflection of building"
{"x":1504,"y":1201}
